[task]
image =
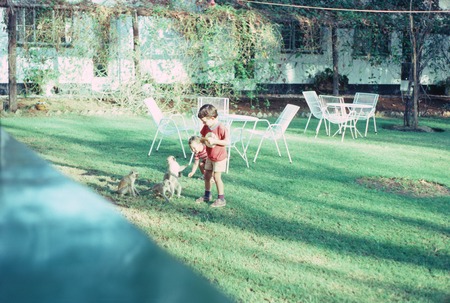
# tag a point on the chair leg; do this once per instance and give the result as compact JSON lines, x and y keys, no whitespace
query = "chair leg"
{"x":353,"y":129}
{"x":182,"y":146}
{"x":367,"y":126}
{"x":287,"y":149}
{"x":244,"y":153}
{"x":276,"y":144}
{"x":307,"y":123}
{"x":259,"y":147}
{"x":159,"y":144}
{"x":228,"y":160}
{"x":153,"y":142}
{"x":375,"y":124}
{"x":318,"y":126}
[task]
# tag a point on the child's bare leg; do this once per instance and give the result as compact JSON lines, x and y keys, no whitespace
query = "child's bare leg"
{"x":202,"y":168}
{"x":207,"y":196}
{"x":208,"y":175}
{"x":220,"y":202}
{"x":219,"y":183}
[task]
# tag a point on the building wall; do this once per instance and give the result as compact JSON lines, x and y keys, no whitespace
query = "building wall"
{"x":162,"y":62}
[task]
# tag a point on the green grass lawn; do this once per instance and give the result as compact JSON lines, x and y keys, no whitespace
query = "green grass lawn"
{"x":301,"y":232}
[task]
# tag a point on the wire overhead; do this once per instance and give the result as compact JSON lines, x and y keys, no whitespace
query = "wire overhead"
{"x":348,"y":9}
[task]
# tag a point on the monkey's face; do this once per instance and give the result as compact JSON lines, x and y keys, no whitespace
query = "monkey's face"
{"x":174,"y":167}
{"x":171,"y":159}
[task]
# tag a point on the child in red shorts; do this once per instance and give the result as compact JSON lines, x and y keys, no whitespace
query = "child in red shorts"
{"x":216,"y":150}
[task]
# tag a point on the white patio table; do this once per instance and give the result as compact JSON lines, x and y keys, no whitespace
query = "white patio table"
{"x":354,"y":112}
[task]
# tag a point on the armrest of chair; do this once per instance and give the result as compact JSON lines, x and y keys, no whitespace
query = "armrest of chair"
{"x":178,"y":116}
{"x":168,"y":121}
{"x":274,"y":127}
{"x":262,"y":120}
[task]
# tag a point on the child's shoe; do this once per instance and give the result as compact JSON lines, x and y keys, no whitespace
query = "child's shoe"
{"x":202,"y":200}
{"x":219,"y":203}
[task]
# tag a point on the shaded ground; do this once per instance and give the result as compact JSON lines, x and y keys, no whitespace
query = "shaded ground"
{"x":389,"y":106}
{"x":430,"y":105}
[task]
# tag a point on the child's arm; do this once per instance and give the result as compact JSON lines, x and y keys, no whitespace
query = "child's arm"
{"x":224,"y":141}
{"x":194,"y":168}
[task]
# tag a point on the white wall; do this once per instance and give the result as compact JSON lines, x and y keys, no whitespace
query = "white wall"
{"x":3,"y":48}
{"x":162,"y":61}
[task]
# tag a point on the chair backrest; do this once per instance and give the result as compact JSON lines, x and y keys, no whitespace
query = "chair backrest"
{"x":222,"y":104}
{"x":368,"y":99}
{"x":314,"y":103}
{"x":154,"y":110}
{"x":330,"y":99}
{"x":286,"y":117}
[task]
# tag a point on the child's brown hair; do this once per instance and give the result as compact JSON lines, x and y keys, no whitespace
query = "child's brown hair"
{"x":207,"y":111}
{"x":195,"y":139}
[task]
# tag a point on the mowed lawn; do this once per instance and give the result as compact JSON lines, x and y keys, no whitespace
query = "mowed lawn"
{"x":352,"y":221}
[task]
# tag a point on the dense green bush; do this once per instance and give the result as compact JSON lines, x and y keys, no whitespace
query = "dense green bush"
{"x":323,"y":81}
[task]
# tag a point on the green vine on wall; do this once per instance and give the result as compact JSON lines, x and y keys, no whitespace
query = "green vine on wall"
{"x":223,"y":49}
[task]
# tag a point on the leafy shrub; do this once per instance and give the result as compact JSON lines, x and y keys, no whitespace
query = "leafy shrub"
{"x":323,"y":81}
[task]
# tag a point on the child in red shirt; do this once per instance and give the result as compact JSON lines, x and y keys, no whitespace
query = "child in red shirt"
{"x":216,"y":149}
{"x":200,"y":155}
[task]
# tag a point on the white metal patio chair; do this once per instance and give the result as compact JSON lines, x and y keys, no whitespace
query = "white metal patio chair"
{"x":367,"y":113}
{"x":237,"y":142}
{"x":325,"y":100}
{"x":197,"y":124}
{"x":167,"y":125}
{"x":276,"y":130}
{"x":342,"y":116}
{"x":315,"y":108}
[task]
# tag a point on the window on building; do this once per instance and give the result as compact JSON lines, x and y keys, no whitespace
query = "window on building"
{"x":370,"y":43}
{"x":301,"y":37}
{"x":44,"y":27}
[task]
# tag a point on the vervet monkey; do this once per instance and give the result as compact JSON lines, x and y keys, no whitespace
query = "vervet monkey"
{"x":163,"y":188}
{"x":173,"y":167}
{"x":173,"y":172}
{"x":126,"y":184}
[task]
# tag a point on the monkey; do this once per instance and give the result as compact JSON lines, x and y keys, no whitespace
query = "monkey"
{"x":173,"y":173}
{"x":173,"y":167}
{"x":126,"y":184}
{"x":162,"y":188}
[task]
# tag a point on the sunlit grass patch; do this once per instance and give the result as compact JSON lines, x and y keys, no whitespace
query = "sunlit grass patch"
{"x":304,"y":231}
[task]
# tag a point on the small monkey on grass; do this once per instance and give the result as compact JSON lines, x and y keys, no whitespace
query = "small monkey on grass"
{"x":163,"y":188}
{"x":173,"y":172}
{"x":126,"y":184}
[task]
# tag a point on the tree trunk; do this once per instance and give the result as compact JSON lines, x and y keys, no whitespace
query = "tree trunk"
{"x":12,"y":55}
{"x":335,"y":56}
{"x":416,"y":76}
{"x":136,"y":46}
{"x":408,"y":105}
